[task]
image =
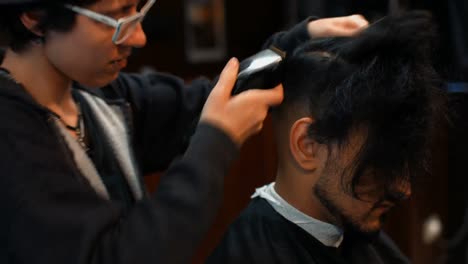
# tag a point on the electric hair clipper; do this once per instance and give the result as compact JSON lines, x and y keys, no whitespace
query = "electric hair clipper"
{"x":260,"y":71}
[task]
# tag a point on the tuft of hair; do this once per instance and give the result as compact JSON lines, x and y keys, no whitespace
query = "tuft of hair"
{"x":382,"y":80}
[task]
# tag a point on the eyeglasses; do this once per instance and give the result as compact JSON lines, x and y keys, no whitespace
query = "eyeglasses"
{"x":124,"y":27}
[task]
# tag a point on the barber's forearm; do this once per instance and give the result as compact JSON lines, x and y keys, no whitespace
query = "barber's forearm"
{"x":314,"y":27}
{"x":290,"y":39}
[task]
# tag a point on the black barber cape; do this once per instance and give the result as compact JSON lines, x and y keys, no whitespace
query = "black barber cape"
{"x":261,"y":235}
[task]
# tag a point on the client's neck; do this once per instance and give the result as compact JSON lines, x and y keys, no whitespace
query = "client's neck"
{"x":297,"y":190}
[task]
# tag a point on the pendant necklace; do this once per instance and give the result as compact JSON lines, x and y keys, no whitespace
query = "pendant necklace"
{"x":78,"y":129}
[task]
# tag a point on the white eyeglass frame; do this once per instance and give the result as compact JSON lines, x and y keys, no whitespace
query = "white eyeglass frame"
{"x":117,"y":24}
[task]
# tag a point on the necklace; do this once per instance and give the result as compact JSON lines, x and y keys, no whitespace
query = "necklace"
{"x":78,"y":128}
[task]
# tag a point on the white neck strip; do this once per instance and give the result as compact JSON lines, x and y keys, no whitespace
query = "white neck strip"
{"x":326,"y":233}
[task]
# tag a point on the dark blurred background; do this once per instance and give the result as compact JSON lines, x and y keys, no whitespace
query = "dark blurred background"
{"x":196,"y":37}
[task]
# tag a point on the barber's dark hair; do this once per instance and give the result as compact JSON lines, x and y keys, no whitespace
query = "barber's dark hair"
{"x":53,"y":16}
{"x":380,"y":80}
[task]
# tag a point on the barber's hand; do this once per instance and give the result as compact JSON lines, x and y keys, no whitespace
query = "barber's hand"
{"x":337,"y":26}
{"x":242,"y":115}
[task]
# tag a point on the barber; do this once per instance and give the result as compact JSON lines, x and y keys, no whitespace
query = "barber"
{"x":77,"y":135}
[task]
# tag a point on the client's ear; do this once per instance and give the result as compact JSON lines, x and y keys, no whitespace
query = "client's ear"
{"x":31,"y":21}
{"x":302,"y":147}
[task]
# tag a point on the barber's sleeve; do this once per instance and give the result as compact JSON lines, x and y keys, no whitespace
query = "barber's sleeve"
{"x":165,"y":113}
{"x":53,"y":216}
{"x":292,"y":38}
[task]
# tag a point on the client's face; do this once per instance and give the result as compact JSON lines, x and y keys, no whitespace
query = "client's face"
{"x":364,"y":213}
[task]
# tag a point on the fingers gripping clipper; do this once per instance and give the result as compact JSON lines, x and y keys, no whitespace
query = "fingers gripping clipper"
{"x":260,"y":71}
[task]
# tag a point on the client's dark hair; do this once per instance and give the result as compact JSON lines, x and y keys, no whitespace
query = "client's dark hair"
{"x":53,"y":16}
{"x":381,"y":80}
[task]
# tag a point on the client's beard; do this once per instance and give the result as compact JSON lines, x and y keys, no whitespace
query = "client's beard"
{"x":350,"y":226}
